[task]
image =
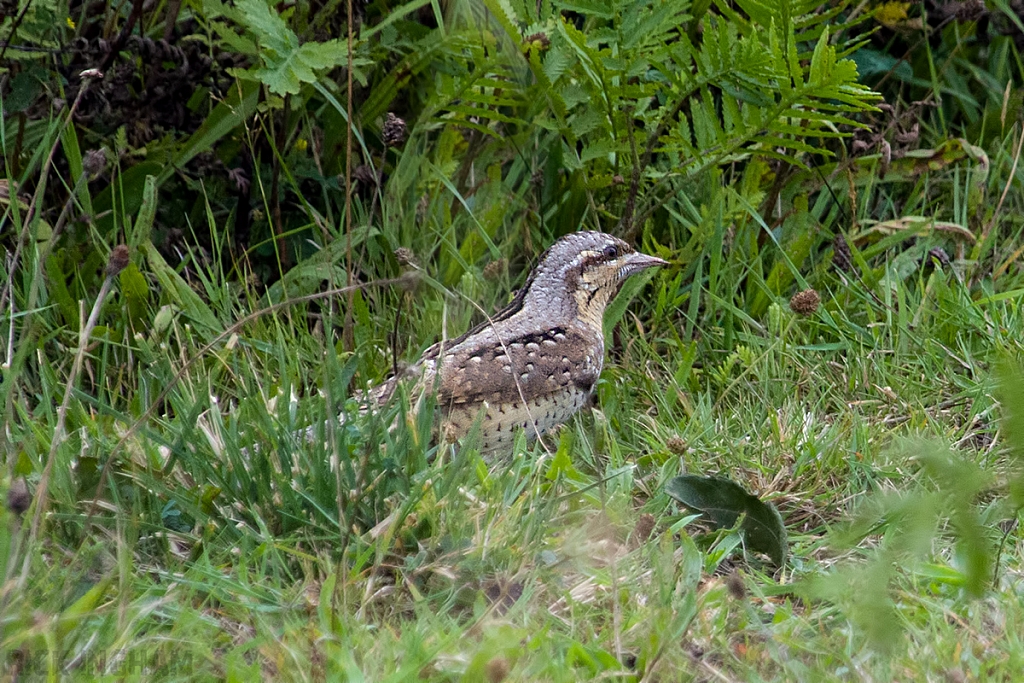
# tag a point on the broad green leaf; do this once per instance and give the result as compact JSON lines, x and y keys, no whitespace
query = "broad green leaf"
{"x":284,"y":73}
{"x":287,"y":64}
{"x":725,"y":502}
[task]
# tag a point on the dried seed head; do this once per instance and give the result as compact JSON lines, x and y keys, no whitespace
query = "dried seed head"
{"x":734,"y":582}
{"x":644,"y":528}
{"x":406,"y":257}
{"x":805,"y":302}
{"x":907,"y":137}
{"x":422,"y":206}
{"x":968,"y":10}
{"x":18,"y":497}
{"x":393,"y":133}
{"x":497,"y":670}
{"x":537,"y":178}
{"x":363,"y":174}
{"x":676,"y":445}
{"x":842,"y":259}
{"x":94,"y":162}
{"x":883,"y":165}
{"x":118,"y":260}
{"x":494,"y":269}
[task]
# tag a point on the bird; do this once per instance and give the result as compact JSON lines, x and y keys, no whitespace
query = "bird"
{"x":535,"y":363}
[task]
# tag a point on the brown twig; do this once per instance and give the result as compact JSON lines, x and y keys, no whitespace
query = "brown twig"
{"x":275,"y":190}
{"x":626,"y":224}
{"x":347,"y":331}
{"x":173,"y":10}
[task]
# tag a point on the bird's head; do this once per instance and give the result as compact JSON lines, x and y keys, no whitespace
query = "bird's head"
{"x":582,"y":272}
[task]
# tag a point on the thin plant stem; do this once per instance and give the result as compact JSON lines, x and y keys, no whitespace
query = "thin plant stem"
{"x":347,"y":332}
{"x":348,"y":179}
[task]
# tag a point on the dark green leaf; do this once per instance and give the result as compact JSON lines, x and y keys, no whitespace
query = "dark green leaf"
{"x":724,"y":502}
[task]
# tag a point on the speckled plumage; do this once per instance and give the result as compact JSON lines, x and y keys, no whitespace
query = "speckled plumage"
{"x":535,"y":363}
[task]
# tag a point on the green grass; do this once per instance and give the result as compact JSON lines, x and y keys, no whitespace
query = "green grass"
{"x":199,"y":564}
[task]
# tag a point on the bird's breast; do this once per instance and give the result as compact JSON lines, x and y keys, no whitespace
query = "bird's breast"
{"x":534,"y":381}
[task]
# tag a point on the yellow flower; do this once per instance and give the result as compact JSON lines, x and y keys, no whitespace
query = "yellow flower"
{"x":891,"y":14}
{"x":301,"y":144}
{"x":70,"y":22}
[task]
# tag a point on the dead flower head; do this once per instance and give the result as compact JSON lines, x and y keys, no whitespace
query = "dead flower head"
{"x":118,"y":260}
{"x":805,"y":303}
{"x":394,"y":131}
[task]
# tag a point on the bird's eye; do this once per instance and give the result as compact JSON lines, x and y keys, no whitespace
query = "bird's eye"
{"x":611,"y":251}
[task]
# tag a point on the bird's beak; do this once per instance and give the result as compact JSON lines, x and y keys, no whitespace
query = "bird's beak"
{"x":635,"y":262}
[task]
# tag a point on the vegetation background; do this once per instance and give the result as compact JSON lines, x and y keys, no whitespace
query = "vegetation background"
{"x":202,"y":256}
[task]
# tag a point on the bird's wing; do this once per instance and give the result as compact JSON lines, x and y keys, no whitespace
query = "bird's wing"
{"x":527,"y":366}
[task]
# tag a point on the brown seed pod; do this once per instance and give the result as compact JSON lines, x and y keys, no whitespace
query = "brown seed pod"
{"x":805,"y":303}
{"x":118,"y":260}
{"x":406,"y":257}
{"x":18,"y":497}
{"x":644,"y":528}
{"x":497,"y":669}
{"x":494,"y":269}
{"x":734,"y":582}
{"x":94,"y":162}
{"x":676,"y":445}
{"x":842,"y":258}
{"x":394,"y":131}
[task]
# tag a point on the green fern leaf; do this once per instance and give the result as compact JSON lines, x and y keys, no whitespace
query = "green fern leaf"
{"x":286,"y":63}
